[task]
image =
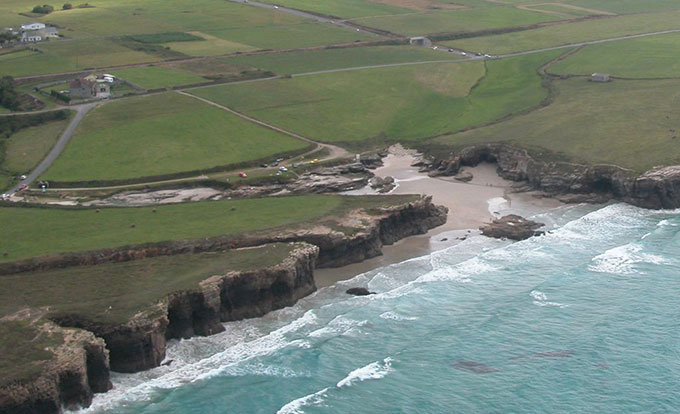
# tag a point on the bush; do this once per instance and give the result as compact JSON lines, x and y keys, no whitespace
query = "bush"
{"x":67,"y":6}
{"x":44,"y":9}
{"x":60,"y":96}
{"x":9,"y":97}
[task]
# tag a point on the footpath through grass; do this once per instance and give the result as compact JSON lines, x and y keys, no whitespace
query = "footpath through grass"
{"x":31,"y":232}
{"x":632,"y":124}
{"x":160,"y":135}
{"x":114,"y":292}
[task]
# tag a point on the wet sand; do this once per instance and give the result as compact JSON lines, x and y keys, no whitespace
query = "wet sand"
{"x":470,"y":205}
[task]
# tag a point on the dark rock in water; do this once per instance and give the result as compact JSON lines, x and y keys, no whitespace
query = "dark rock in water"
{"x":371,"y":160}
{"x":167,"y":363}
{"x":463,"y":176}
{"x":359,"y":291}
{"x":472,"y":366}
{"x":444,"y":239}
{"x":512,"y":227}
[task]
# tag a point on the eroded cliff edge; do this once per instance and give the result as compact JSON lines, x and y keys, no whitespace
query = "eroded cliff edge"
{"x":139,"y":343}
{"x":657,"y":188}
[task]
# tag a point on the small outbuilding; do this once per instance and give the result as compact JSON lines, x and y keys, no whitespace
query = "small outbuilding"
{"x":420,"y":41}
{"x":599,"y":77}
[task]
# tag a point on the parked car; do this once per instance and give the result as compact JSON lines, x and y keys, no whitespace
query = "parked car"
{"x":4,"y":196}
{"x":264,"y":165}
{"x":283,"y":169}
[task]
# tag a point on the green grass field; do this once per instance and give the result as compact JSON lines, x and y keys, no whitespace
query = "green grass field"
{"x":343,"y":8}
{"x":64,"y":56}
{"x":648,"y":57}
{"x":632,"y":124}
{"x":26,"y":148}
{"x":455,"y":21}
{"x":31,"y":232}
{"x":563,"y":34}
{"x":153,"y":77}
{"x":625,"y":6}
{"x":162,"y":134}
{"x":315,"y":60}
{"x":114,"y":292}
{"x":366,"y":108}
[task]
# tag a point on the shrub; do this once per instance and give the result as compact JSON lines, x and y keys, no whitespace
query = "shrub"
{"x":9,"y":97}
{"x":67,"y":6}
{"x":44,"y":9}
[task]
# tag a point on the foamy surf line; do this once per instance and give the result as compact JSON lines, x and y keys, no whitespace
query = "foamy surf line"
{"x":373,"y":371}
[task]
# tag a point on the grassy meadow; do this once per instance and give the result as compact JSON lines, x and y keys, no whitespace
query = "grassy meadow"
{"x":568,"y":33}
{"x":29,"y":232}
{"x":581,"y":126}
{"x":316,"y":60}
{"x":115,"y":292}
{"x":646,"y":57}
{"x":366,"y":108}
{"x":154,"y":77}
{"x":456,"y":21}
{"x":162,"y":134}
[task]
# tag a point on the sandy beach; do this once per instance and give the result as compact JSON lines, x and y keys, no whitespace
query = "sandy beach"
{"x":470,"y":205}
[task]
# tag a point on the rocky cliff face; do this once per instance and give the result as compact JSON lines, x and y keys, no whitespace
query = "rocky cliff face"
{"x":658,"y":188}
{"x":139,"y":344}
{"x":79,"y":369}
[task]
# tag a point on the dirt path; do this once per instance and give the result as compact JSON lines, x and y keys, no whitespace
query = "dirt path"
{"x":334,"y":150}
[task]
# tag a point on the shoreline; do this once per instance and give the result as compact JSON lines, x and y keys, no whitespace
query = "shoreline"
{"x":471,"y":205}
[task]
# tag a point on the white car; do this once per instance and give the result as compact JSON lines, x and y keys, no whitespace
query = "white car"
{"x":463,"y":54}
{"x":283,"y":169}
{"x":4,"y":196}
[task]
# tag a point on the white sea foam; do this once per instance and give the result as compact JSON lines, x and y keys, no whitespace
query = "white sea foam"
{"x":622,"y":260}
{"x":374,"y":370}
{"x":296,"y":406}
{"x":541,"y":299}
{"x":396,"y":317}
{"x":142,"y":386}
{"x":340,"y":325}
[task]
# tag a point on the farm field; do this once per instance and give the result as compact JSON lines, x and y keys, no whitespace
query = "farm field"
{"x":455,"y":21}
{"x":170,"y":133}
{"x":114,"y":292}
{"x":71,"y":55}
{"x":153,"y":77}
{"x":209,"y":46}
{"x":345,"y":8}
{"x":24,"y":149}
{"x":648,"y":57}
{"x":576,"y":32}
{"x":367,"y":108}
{"x":35,"y":231}
{"x":316,"y":60}
{"x":581,"y":126}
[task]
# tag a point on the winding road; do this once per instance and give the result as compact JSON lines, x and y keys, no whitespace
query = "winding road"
{"x":335,"y":151}
{"x":81,"y":110}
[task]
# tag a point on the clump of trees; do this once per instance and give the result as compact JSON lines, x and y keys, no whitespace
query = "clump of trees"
{"x":8,"y":37}
{"x":44,"y":9}
{"x":67,"y":6}
{"x":9,"y":97}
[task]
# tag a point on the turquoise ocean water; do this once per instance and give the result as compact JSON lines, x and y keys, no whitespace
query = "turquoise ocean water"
{"x":585,"y":319}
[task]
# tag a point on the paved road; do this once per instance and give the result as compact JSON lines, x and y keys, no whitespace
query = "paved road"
{"x":322,"y":19}
{"x":58,"y":147}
